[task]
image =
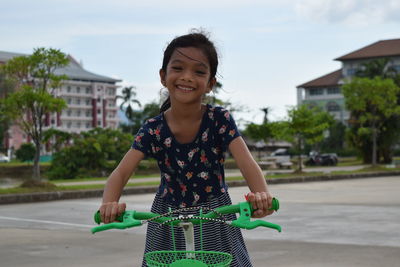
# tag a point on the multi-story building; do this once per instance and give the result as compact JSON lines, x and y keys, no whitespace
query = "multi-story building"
{"x":91,"y":101}
{"x":325,"y":91}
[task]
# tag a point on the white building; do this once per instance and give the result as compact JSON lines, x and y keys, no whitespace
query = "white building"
{"x":91,"y":100}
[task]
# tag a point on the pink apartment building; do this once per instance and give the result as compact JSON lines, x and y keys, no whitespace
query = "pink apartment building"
{"x":91,"y":100}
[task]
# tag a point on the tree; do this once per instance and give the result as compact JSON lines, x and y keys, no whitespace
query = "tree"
{"x":389,"y":131}
{"x":380,"y":67}
{"x":374,"y":100}
{"x":58,"y":138}
{"x":149,"y":110}
{"x":33,"y":98}
{"x":6,"y":87}
{"x":128,"y":99}
{"x":305,"y":125}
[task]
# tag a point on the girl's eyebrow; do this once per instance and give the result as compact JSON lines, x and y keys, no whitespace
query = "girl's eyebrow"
{"x":200,"y":62}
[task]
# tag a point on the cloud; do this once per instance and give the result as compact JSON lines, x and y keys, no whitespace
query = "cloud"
{"x":349,"y":12}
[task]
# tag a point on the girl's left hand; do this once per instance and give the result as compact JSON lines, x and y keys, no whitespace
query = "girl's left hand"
{"x":261,"y":203}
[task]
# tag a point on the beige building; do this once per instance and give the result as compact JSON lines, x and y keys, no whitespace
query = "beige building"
{"x":325,"y":91}
{"x":91,"y":100}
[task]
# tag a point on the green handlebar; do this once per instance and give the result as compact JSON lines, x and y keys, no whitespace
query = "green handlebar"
{"x":131,"y":218}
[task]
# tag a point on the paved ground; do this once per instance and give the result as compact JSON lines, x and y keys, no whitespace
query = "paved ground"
{"x":338,"y":223}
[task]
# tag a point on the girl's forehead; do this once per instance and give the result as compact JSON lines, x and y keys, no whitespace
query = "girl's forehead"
{"x":189,"y":54}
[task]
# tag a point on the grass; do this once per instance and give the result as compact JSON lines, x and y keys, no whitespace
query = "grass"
{"x":18,"y":190}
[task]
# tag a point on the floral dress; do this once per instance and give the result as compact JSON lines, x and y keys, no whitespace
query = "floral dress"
{"x":192,"y":174}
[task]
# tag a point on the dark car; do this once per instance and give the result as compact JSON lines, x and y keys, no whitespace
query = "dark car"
{"x":327,"y":159}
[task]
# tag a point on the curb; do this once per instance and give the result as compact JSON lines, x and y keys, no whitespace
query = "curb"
{"x":77,"y":194}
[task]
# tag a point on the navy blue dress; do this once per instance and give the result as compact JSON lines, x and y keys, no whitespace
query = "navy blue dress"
{"x":192,"y":174}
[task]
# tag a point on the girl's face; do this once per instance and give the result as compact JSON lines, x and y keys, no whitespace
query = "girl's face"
{"x":187,"y":76}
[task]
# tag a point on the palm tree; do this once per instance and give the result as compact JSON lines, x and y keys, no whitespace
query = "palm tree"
{"x":128,"y":99}
{"x":381,"y":67}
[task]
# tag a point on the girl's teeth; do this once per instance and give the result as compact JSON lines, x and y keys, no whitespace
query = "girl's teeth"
{"x":185,"y":88}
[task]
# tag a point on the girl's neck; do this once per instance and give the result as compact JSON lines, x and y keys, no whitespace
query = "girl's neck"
{"x":187,"y":112}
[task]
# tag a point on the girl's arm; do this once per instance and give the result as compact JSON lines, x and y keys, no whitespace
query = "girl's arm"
{"x":110,"y":207}
{"x":260,"y":196}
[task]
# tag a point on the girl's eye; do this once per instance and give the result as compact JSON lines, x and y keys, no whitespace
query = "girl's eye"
{"x":200,"y":72}
{"x":176,"y":68}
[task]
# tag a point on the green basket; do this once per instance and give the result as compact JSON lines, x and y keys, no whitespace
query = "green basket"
{"x":188,"y":258}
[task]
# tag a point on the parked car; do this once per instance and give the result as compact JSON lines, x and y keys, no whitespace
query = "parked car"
{"x":280,"y":158}
{"x":4,"y":159}
{"x":327,"y":159}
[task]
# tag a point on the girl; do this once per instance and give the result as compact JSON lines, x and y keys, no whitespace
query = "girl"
{"x":189,"y":139}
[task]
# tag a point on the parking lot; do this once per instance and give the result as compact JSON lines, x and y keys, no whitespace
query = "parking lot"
{"x":337,"y":223}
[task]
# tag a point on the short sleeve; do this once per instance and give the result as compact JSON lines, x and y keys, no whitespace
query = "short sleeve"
{"x":226,"y":128}
{"x":142,"y":141}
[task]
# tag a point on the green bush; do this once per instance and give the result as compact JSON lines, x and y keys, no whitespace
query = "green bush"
{"x":90,"y":154}
{"x":26,"y":152}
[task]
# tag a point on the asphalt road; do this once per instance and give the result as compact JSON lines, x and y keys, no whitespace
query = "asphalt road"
{"x":337,"y":223}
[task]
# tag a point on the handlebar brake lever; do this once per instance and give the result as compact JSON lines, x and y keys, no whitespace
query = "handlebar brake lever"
{"x":245,"y":214}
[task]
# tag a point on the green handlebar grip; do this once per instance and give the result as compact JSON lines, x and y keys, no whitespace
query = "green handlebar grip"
{"x":275,"y":204}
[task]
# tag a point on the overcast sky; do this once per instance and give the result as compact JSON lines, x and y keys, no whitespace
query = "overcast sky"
{"x":266,"y":47}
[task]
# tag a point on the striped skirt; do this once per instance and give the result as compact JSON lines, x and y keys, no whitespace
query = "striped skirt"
{"x":216,"y":236}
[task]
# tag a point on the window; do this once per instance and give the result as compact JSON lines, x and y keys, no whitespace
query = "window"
{"x":78,"y":113}
{"x":69,"y":112}
{"x":88,"y":102}
{"x":333,"y":91}
{"x":351,"y":72}
{"x":78,"y":89}
{"x":332,"y":107}
{"x":69,"y":100}
{"x":68,"y":89}
{"x":317,"y":91}
{"x":98,"y":123}
{"x":88,"y":113}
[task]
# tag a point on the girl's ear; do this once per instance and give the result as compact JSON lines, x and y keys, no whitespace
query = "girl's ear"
{"x":162,"y":77}
{"x":211,"y":84}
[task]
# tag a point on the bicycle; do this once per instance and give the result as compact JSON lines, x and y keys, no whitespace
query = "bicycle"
{"x":190,"y":256}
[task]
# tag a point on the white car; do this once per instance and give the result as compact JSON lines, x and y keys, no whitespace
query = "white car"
{"x":4,"y":159}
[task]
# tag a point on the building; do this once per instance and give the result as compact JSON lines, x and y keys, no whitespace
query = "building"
{"x":91,"y":100}
{"x":325,"y":91}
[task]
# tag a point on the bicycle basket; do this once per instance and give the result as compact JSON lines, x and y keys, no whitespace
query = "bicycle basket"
{"x":188,"y":258}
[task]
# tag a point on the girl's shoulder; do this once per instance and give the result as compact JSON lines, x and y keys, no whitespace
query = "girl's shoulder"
{"x":219,"y":112}
{"x":153,"y":121}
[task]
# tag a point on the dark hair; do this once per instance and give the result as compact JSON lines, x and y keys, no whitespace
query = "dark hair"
{"x":195,"y":39}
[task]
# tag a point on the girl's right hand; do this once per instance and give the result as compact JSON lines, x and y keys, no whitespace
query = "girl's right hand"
{"x":109,"y":211}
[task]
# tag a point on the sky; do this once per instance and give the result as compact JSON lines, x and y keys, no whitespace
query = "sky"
{"x":266,"y":48}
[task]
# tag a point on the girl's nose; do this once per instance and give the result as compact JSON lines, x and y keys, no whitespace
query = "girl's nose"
{"x":186,"y":76}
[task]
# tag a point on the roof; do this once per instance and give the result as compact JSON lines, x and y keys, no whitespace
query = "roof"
{"x":73,"y":70}
{"x":330,"y":79}
{"x":383,"y":48}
